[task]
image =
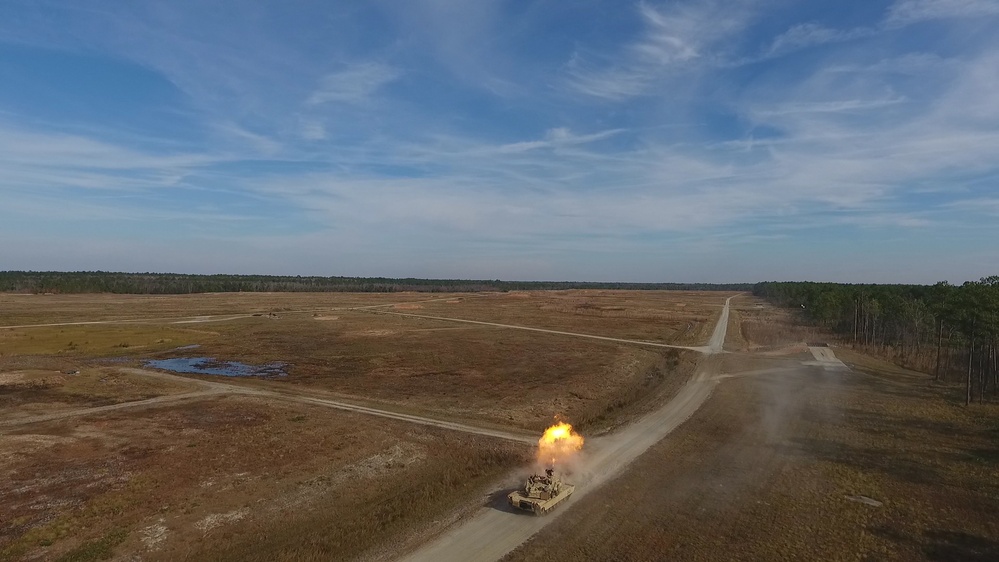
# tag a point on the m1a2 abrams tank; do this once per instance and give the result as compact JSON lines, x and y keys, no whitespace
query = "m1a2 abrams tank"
{"x":542,"y":493}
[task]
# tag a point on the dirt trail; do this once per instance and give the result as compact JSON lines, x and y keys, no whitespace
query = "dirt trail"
{"x":219,"y":389}
{"x":207,"y":318}
{"x":421,"y":420}
{"x":215,"y":388}
{"x":717,"y":341}
{"x":147,"y":403}
{"x":701,"y":349}
{"x":493,"y":532}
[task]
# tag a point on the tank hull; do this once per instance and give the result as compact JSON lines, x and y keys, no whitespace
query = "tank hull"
{"x":539,"y":506}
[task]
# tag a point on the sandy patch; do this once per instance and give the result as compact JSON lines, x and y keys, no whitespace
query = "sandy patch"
{"x":218,"y":519}
{"x":325,"y":318}
{"x":154,"y":535}
{"x":31,"y":379}
{"x":408,"y":306}
{"x":11,"y":378}
{"x":777,"y":350}
{"x":373,"y":333}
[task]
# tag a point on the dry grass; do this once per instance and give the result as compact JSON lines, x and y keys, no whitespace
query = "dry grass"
{"x":29,"y":309}
{"x":369,"y":513}
{"x":245,"y":473}
{"x":762,"y":327}
{"x":681,"y":318}
{"x":765,"y":469}
{"x":236,"y":478}
{"x":97,"y":341}
{"x":27,"y":392}
{"x":466,"y":372}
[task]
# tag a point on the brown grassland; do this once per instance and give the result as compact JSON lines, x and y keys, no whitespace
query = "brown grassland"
{"x":769,"y":468}
{"x":772,"y":468}
{"x":232,"y":477}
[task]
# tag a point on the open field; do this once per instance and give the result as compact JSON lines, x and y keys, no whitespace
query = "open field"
{"x":469,"y":372}
{"x":676,"y":318}
{"x":224,"y":474}
{"x":203,"y":479}
{"x":24,"y":393}
{"x":36,"y":309}
{"x":776,"y":464}
{"x":762,"y":327}
{"x":783,"y":465}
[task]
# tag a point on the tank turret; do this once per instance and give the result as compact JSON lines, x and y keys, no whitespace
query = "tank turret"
{"x":541,"y":493}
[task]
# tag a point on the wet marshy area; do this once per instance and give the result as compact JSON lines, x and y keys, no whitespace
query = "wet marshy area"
{"x":212,"y":366}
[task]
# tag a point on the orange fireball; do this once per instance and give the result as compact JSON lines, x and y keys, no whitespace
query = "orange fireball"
{"x":558,"y":443}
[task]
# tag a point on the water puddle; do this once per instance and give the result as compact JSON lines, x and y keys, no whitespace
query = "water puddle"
{"x":212,"y":366}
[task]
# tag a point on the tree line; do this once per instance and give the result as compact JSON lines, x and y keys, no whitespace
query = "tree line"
{"x":172,"y":283}
{"x":948,"y":330}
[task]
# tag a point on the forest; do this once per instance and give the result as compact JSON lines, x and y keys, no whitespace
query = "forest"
{"x":171,"y":283}
{"x":948,"y":330}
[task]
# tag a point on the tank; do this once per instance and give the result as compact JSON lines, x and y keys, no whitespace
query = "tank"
{"x":541,"y":493}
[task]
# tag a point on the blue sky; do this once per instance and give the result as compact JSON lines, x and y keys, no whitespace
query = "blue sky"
{"x":700,"y":140}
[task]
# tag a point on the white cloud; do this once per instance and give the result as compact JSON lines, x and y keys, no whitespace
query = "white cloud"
{"x":355,"y":84}
{"x":811,"y":34}
{"x":262,"y":144}
{"x":769,"y":150}
{"x":899,"y":14}
{"x":674,"y":38}
{"x":984,"y":205}
{"x":905,"y":12}
{"x":28,"y":149}
{"x":838,"y":106}
{"x":557,"y":137}
{"x":312,"y":130}
{"x":465,"y":38}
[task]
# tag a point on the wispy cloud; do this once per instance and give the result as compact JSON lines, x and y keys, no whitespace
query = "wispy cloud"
{"x":557,"y":137}
{"x":675,"y":129}
{"x":354,"y":84}
{"x":811,"y":34}
{"x":21,"y":149}
{"x":900,"y":14}
{"x":673,"y":38}
{"x":980,"y":205}
{"x":905,"y":12}
{"x":838,"y":106}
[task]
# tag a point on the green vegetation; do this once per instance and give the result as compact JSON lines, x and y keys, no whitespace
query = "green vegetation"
{"x":948,"y":330}
{"x":171,"y":283}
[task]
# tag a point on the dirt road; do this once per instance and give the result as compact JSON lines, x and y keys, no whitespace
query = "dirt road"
{"x":701,"y":349}
{"x":218,"y":389}
{"x":207,"y":318}
{"x":139,"y":404}
{"x":495,"y":530}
